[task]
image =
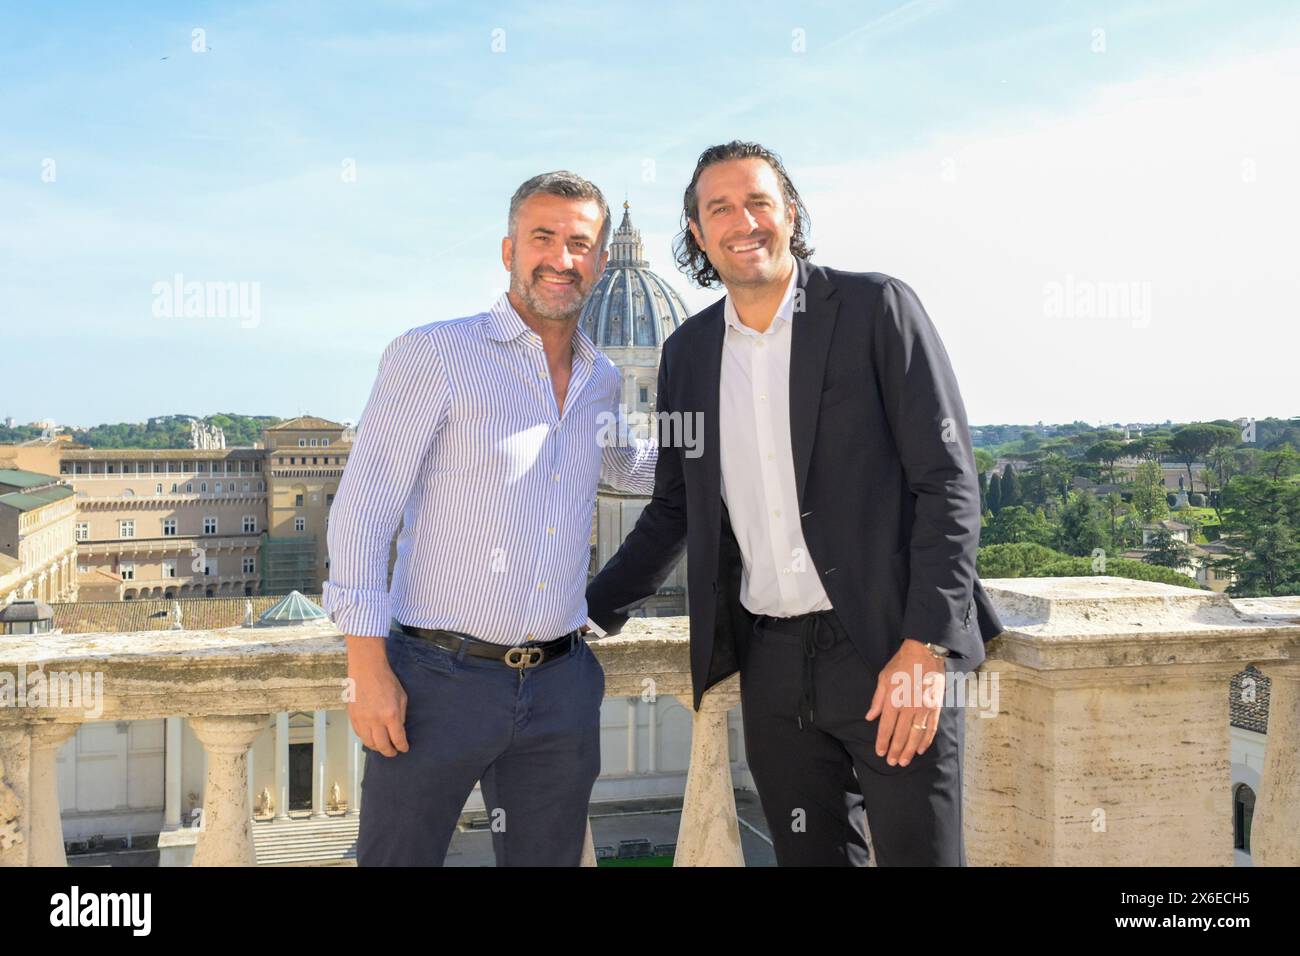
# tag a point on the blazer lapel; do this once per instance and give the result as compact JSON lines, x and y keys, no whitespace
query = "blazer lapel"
{"x":810,"y":344}
{"x":708,"y":381}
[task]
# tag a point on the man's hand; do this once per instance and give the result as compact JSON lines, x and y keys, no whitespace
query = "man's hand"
{"x":909,"y":695}
{"x":378,"y":713}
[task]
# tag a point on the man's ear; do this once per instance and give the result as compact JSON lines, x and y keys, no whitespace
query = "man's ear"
{"x":507,"y":252}
{"x":695,"y":231}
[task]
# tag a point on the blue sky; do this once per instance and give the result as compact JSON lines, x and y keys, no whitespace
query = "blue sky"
{"x":983,"y":152}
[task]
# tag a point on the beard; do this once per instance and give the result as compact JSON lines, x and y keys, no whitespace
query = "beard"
{"x":548,"y":305}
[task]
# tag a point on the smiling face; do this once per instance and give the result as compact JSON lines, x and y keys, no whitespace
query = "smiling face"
{"x":744,"y":223}
{"x":552,"y":256}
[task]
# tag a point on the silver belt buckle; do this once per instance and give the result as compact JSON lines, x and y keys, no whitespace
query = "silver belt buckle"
{"x":523,"y":657}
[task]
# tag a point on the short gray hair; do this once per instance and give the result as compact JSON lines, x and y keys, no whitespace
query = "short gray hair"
{"x":568,"y":185}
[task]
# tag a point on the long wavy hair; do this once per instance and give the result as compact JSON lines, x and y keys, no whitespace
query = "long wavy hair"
{"x":691,"y":259}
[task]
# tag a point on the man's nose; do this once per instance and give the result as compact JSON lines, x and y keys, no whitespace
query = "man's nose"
{"x":561,"y":260}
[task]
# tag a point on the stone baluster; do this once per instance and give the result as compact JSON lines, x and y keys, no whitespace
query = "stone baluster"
{"x":46,"y":834}
{"x":709,"y":834}
{"x":226,"y":831}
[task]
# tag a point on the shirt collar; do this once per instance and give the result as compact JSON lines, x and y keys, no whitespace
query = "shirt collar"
{"x":504,"y":324}
{"x":784,"y":311}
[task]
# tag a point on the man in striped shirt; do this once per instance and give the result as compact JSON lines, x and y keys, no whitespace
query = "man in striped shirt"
{"x":486,"y":436}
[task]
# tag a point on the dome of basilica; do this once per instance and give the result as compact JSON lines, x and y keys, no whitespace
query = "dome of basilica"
{"x":631,"y":307}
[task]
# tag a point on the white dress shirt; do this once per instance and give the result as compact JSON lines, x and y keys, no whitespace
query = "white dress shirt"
{"x":758,"y":483}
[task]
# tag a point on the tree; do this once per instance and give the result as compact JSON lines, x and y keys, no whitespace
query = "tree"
{"x":1259,"y":516}
{"x":1014,"y":524}
{"x":1010,"y":487}
{"x":1195,"y":442}
{"x":1167,"y":551}
{"x":1081,"y":530}
{"x":1149,"y":492}
{"x":1106,"y":452}
{"x":995,"y":493}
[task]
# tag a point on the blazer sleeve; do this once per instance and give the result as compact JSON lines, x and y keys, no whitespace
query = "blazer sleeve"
{"x":928,"y":421}
{"x":656,"y":543}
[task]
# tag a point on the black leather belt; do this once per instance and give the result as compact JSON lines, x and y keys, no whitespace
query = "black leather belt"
{"x":521,"y":656}
{"x":816,"y":630}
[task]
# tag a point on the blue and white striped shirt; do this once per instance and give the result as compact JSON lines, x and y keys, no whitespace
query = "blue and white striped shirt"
{"x":461,"y":440}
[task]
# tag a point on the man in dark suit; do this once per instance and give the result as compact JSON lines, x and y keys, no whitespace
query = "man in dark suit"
{"x":831,"y":523}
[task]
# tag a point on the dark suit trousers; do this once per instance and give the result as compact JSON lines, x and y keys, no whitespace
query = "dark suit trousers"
{"x":821,"y":783}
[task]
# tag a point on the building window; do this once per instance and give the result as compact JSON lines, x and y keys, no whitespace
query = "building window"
{"x":126,"y":529}
{"x":189,"y":487}
{"x":324,"y":442}
{"x":644,"y":395}
{"x":250,"y":565}
{"x":203,"y":487}
{"x":250,"y":524}
{"x":174,"y":487}
{"x":169,"y":568}
{"x":127,"y":569}
{"x":218,"y":488}
{"x":210,"y":568}
{"x":329,"y":499}
{"x":261,"y":486}
{"x":297,"y":501}
{"x":299,"y":524}
{"x":83,"y":569}
{"x":169,"y":527}
{"x":83,"y":531}
{"x":245,"y":486}
{"x":302,"y":443}
{"x":209,"y":525}
{"x":313,"y":443}
{"x":157,"y":489}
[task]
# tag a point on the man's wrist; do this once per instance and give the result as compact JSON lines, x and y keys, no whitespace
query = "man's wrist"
{"x":937,"y":651}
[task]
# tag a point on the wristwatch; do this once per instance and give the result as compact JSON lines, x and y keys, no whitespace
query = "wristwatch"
{"x":938,"y":650}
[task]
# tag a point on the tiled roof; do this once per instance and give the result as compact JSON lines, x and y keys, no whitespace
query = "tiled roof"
{"x":196,"y":454}
{"x":1249,"y":715}
{"x":154,"y":614}
{"x":306,"y":423}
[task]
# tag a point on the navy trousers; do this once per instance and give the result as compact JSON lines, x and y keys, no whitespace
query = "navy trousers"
{"x":531,"y":736}
{"x":820,"y":782}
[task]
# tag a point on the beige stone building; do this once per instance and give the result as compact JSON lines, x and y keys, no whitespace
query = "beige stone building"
{"x":305,"y":457}
{"x":38,"y":548}
{"x":181,"y":523}
{"x":167,"y":523}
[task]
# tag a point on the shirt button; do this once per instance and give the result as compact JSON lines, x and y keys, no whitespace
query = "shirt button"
{"x":769,"y":456}
{"x":776,"y":514}
{"x":762,"y":398}
{"x":785,"y":570}
{"x":557,"y":477}
{"x":550,"y":530}
{"x":760,"y":343}
{"x":541,"y":586}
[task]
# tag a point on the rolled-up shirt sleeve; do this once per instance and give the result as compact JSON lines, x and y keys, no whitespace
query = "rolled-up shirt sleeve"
{"x":408,"y":404}
{"x":628,"y":462}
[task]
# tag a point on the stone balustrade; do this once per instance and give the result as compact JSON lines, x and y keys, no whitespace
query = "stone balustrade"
{"x":1097,"y":730}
